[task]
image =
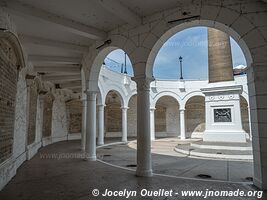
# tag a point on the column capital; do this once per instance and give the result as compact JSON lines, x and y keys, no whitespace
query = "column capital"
{"x":181,"y":109}
{"x":124,"y":108}
{"x":152,"y":108}
{"x":143,"y":82}
{"x":91,"y":95}
{"x":100,"y":107}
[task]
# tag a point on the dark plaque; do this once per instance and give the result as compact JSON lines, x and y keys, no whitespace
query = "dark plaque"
{"x":222,"y":115}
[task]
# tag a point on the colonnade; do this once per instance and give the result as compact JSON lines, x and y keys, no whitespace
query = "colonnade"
{"x":90,"y":124}
{"x":145,"y":126}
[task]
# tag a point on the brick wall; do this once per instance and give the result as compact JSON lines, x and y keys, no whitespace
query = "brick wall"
{"x":195,"y":115}
{"x":132,"y":116}
{"x":113,"y":121}
{"x":8,"y":87}
{"x":244,"y":114}
{"x":74,"y":116}
{"x":160,"y":119}
{"x":32,"y":111}
{"x":47,"y":114}
{"x":113,"y":116}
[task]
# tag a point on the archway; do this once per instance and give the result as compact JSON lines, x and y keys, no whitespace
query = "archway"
{"x":218,"y":21}
{"x":113,"y":115}
{"x":195,"y":104}
{"x":96,"y":61}
{"x":189,"y":24}
{"x":195,"y":117}
{"x":167,"y":120}
{"x":132,"y":117}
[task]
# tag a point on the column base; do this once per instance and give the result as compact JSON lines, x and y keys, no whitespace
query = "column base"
{"x":100,"y":143}
{"x":182,"y":138}
{"x":144,"y":173}
{"x":125,"y":141}
{"x":90,"y":158}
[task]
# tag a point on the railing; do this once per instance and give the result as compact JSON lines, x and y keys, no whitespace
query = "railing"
{"x":113,"y":65}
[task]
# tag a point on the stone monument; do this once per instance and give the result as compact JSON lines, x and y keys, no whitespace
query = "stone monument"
{"x":223,"y":116}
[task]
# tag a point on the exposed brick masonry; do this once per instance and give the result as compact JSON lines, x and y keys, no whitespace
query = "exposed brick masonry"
{"x":33,"y":94}
{"x":47,"y":115}
{"x":8,"y":89}
{"x":74,"y":115}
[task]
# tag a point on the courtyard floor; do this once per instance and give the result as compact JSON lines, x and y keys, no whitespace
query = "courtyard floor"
{"x":166,"y":161}
{"x":57,"y":172}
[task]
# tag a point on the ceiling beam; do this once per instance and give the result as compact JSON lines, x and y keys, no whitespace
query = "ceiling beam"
{"x":58,"y":68}
{"x":121,"y":11}
{"x":70,"y":25}
{"x":61,"y":78}
{"x":27,"y":39}
{"x":54,"y":59}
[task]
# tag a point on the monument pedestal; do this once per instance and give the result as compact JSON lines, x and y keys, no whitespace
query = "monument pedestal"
{"x":223,"y":114}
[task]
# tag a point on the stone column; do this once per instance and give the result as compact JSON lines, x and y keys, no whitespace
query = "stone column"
{"x":258,"y":105}
{"x":182,"y":124}
{"x":152,"y":123}
{"x":90,"y":147}
{"x":144,"y":166}
{"x":124,"y":123}
{"x":83,"y":133}
{"x":249,"y":123}
{"x":39,"y":124}
{"x":220,"y":57}
{"x":100,"y":139}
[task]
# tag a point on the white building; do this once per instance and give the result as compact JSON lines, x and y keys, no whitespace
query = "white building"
{"x":177,"y":93}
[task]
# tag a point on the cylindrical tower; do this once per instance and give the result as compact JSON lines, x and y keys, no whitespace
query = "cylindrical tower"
{"x":220,"y":57}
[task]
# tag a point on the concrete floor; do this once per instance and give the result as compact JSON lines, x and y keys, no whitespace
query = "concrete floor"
{"x":166,"y":161}
{"x":71,"y":178}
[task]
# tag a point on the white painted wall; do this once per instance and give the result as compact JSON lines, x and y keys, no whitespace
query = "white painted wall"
{"x":59,"y":120}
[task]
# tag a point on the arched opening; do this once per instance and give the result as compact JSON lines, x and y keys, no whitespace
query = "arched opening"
{"x":109,"y":70}
{"x":167,"y":122}
{"x":190,"y":24}
{"x":132,"y":117}
{"x":112,"y":59}
{"x":195,"y":108}
{"x":119,"y":61}
{"x":192,"y":45}
{"x":195,"y":117}
{"x":113,"y":115}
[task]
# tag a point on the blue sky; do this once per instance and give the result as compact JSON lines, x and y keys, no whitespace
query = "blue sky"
{"x":192,"y":45}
